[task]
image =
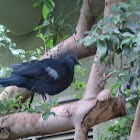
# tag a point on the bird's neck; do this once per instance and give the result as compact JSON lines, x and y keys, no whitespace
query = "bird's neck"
{"x":70,"y":67}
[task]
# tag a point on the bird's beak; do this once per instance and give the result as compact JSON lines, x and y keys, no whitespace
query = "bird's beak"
{"x":78,"y":63}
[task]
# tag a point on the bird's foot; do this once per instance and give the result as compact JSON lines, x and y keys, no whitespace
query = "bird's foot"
{"x":45,"y":98}
{"x":31,"y":100}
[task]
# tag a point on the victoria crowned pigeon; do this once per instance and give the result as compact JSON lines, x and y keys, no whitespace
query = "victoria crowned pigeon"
{"x":47,"y":76}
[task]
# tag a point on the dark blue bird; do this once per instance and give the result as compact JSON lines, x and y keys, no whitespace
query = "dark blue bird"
{"x":48,"y":76}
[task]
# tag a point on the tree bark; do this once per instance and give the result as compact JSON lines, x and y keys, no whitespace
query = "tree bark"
{"x":68,"y":117}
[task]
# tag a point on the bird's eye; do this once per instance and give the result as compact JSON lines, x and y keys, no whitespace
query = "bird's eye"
{"x":73,"y":59}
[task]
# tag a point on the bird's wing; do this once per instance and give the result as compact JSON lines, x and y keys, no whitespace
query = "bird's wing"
{"x":49,"y":70}
{"x":17,"y":66}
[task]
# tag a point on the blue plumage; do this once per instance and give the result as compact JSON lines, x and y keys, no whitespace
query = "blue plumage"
{"x":48,"y":76}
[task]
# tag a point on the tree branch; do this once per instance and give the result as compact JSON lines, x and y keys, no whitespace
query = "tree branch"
{"x":71,"y":115}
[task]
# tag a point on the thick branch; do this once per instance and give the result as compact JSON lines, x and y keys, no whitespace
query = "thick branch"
{"x":95,"y":83}
{"x":24,"y":125}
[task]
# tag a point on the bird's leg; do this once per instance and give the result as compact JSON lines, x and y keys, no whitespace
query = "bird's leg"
{"x":31,"y":100}
{"x":45,"y":97}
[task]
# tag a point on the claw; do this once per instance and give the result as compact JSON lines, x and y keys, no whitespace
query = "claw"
{"x":45,"y":97}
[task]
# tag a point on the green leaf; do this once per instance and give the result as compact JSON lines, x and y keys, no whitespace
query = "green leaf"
{"x":103,"y":58}
{"x":49,"y":43}
{"x":40,"y":35}
{"x":114,"y":39}
{"x":2,"y":106}
{"x":50,"y":4}
{"x":133,"y":26}
{"x":39,"y":108}
{"x":45,"y":11}
{"x":121,"y":74}
{"x":39,"y":27}
{"x":101,"y":47}
{"x":19,"y":98}
{"x":16,"y":52}
{"x":117,"y":19}
{"x":53,"y":113}
{"x":48,"y":31}
{"x":126,"y":41}
{"x":79,"y":96}
{"x":38,"y":51}
{"x":2,"y":72}
{"x":79,"y":4}
{"x":37,"y":3}
{"x":90,"y":42}
{"x":65,"y":37}
{"x":32,"y":58}
{"x":52,"y":102}
{"x":138,"y":13}
{"x":106,"y":20}
{"x":127,"y":34}
{"x":137,"y":49}
{"x":114,"y":8}
{"x":46,"y":115}
{"x":30,"y":110}
{"x":94,"y":27}
{"x":104,"y":37}
{"x":133,"y":2}
{"x":111,"y":29}
{"x":91,"y":33}
{"x":124,"y":6}
{"x":127,"y":50}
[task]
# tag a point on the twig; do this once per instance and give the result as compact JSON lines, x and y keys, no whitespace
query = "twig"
{"x":109,"y":75}
{"x":125,"y":67}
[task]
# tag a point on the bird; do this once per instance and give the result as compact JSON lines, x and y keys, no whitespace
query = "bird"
{"x":46,"y":77}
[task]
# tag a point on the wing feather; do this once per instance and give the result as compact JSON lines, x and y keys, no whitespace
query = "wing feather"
{"x":49,"y":70}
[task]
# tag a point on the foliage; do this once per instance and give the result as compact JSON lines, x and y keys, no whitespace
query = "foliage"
{"x":79,"y":86}
{"x":119,"y":130}
{"x":54,"y":28}
{"x":5,"y":42}
{"x":44,"y":108}
{"x":34,"y":55}
{"x":10,"y":105}
{"x":119,"y":35}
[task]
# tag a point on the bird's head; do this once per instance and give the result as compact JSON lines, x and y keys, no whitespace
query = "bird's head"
{"x":70,"y":58}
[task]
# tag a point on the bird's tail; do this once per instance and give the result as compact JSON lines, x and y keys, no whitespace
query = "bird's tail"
{"x":4,"y":82}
